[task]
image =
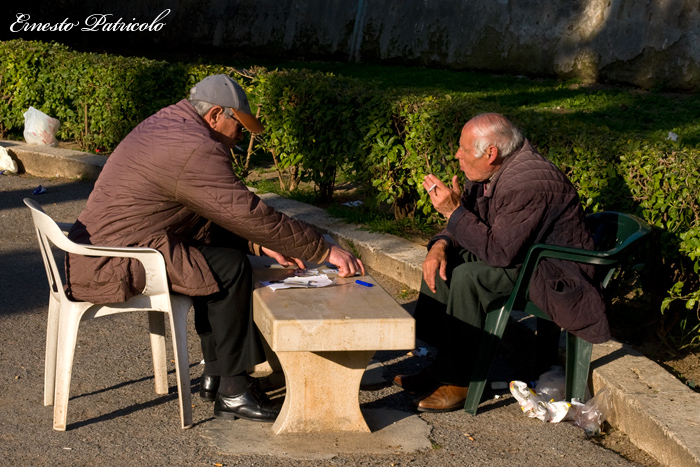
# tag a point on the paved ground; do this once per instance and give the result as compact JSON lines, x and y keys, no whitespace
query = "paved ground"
{"x":115,"y":417}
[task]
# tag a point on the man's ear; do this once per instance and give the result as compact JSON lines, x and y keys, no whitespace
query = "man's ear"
{"x":213,"y":115}
{"x":492,"y":155}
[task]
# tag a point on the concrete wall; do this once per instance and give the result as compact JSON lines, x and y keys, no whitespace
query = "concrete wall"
{"x":642,"y":42}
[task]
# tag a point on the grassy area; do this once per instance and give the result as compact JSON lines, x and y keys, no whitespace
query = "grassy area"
{"x":371,"y":218}
{"x":621,"y":109}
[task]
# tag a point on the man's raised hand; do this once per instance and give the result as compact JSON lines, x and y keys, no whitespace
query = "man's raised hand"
{"x":445,"y":199}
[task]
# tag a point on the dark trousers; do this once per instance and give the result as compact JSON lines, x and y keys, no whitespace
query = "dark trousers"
{"x":452,"y":319}
{"x":224,"y":320}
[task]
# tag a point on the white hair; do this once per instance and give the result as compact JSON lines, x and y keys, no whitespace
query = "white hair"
{"x":492,"y":129}
{"x":203,"y":107}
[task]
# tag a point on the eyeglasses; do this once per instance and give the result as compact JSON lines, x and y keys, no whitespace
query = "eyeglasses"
{"x":228,"y":112}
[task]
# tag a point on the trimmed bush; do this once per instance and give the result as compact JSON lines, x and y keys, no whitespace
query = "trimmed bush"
{"x":315,"y":124}
{"x":98,"y":98}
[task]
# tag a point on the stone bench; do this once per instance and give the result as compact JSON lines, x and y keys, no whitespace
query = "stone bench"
{"x":324,"y":339}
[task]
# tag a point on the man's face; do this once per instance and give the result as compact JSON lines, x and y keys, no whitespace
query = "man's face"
{"x":477,"y":169}
{"x":228,"y":129}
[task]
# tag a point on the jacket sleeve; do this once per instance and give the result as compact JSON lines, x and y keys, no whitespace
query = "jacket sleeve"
{"x":209,"y":187}
{"x":520,"y":213}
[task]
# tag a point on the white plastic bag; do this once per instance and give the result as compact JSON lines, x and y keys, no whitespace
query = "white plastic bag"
{"x":7,"y":164}
{"x":552,"y":384}
{"x":591,"y":416}
{"x":39,"y":128}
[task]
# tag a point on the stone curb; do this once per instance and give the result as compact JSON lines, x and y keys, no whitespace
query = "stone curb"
{"x":45,"y":161}
{"x":660,"y":414}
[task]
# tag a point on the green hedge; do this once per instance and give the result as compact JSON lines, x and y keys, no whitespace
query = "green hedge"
{"x":319,"y":124}
{"x":98,"y":98}
{"x":315,"y":123}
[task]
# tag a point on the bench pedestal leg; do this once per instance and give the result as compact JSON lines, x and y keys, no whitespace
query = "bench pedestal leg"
{"x":323,"y":390}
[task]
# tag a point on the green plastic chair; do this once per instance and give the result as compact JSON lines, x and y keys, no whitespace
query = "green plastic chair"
{"x":612,"y":233}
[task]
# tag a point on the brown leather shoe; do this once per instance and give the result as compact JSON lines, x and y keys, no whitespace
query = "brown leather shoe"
{"x":419,"y":382}
{"x":445,"y":398}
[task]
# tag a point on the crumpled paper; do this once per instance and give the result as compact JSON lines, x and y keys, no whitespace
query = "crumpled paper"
{"x":534,"y":406}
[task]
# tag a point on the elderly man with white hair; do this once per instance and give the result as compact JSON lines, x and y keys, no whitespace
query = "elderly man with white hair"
{"x":513,"y":198}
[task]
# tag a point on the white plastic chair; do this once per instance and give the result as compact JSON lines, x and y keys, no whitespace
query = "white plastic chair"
{"x":65,"y":316}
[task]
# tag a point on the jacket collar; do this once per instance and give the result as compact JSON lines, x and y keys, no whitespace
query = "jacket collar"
{"x":490,"y":185}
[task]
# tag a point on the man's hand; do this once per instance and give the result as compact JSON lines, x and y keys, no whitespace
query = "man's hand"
{"x":346,"y":262}
{"x":283,"y":260}
{"x":435,"y":261}
{"x":445,"y":199}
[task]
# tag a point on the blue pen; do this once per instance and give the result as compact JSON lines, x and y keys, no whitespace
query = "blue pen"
{"x":366,"y":284}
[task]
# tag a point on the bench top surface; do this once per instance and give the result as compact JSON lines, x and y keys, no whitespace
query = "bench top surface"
{"x":344,"y":316}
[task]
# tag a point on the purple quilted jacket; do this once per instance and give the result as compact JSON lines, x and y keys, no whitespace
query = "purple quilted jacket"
{"x":531,"y":201}
{"x":170,"y":185}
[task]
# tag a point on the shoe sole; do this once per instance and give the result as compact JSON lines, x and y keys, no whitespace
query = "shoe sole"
{"x":442,"y":410}
{"x":230,"y":416}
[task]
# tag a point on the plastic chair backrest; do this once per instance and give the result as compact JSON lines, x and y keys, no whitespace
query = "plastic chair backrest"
{"x":46,"y":229}
{"x":50,"y":233}
{"x":614,"y":231}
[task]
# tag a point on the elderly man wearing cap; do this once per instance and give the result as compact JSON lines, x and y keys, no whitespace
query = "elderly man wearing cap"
{"x":170,"y":185}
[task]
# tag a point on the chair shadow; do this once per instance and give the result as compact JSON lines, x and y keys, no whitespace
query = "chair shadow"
{"x":611,"y":357}
{"x":134,"y":381}
{"x":162,"y":399}
{"x":502,"y":402}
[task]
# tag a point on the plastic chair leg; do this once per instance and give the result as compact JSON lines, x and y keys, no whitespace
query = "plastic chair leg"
{"x":67,"y":338}
{"x":178,"y":325}
{"x":156,"y":326}
{"x":578,"y":361}
{"x":493,"y":331}
{"x":51,"y":348}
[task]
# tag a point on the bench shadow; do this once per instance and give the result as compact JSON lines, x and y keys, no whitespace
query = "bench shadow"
{"x":399,"y":406}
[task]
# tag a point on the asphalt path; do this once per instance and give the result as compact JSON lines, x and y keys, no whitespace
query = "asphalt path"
{"x":115,"y":417}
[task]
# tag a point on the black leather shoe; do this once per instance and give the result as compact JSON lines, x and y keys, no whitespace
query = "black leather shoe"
{"x":208,"y":387}
{"x":253,"y":405}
